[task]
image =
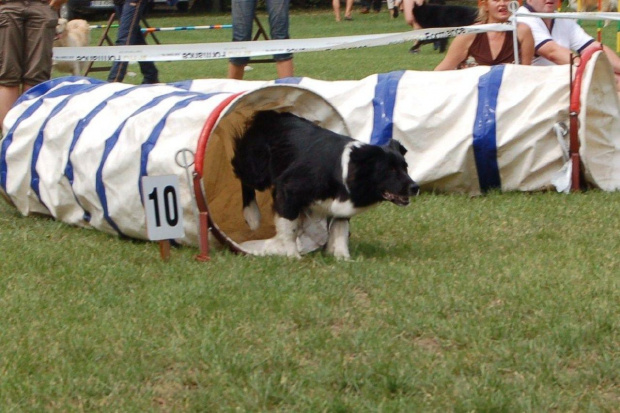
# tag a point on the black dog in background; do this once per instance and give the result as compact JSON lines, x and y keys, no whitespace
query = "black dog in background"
{"x":435,"y":13}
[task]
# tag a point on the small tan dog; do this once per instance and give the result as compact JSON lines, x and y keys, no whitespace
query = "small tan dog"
{"x":74,"y":33}
{"x":592,"y":5}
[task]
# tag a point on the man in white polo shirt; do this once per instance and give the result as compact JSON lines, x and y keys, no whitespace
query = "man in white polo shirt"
{"x":555,"y":39}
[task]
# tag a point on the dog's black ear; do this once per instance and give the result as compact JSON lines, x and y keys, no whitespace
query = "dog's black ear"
{"x":394,"y":144}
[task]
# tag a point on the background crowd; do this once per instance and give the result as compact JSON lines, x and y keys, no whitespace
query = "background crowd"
{"x":27,"y":30}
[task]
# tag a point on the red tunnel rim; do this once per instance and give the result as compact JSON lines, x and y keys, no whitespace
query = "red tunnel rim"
{"x":575,"y":105}
{"x":201,"y":201}
{"x":207,"y":129}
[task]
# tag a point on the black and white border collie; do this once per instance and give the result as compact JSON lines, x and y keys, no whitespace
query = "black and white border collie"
{"x":314,"y":171}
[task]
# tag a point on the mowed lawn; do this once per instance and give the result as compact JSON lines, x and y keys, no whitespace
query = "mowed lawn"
{"x":503,"y":302}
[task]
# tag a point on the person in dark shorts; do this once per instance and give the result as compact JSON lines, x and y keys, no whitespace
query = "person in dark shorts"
{"x":27,"y":30}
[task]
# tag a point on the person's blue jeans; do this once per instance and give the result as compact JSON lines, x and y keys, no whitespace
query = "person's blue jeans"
{"x":243,"y":12}
{"x":129,"y":33}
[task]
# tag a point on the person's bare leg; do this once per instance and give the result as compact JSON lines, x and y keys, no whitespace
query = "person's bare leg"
{"x":348,"y":10}
{"x":336,"y":7}
{"x":408,"y":12}
{"x":284,"y":68}
{"x":8,"y":96}
{"x":235,"y":71}
{"x":411,"y":21}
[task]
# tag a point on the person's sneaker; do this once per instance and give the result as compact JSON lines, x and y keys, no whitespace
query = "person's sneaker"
{"x":394,"y":12}
{"x":365,"y":10}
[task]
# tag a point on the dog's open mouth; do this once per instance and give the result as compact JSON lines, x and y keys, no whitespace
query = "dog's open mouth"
{"x":399,"y":200}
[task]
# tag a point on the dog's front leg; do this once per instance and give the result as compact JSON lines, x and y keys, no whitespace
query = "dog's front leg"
{"x":284,"y":242}
{"x":338,"y":241}
{"x":251,"y":212}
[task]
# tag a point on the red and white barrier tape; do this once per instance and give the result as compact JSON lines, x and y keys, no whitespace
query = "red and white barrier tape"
{"x":225,"y":50}
{"x":574,"y":16}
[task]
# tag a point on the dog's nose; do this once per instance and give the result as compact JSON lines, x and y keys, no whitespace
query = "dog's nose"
{"x":414,"y":189}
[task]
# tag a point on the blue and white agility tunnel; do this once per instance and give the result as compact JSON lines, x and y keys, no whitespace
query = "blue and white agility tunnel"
{"x":480,"y":128}
{"x":76,"y":149}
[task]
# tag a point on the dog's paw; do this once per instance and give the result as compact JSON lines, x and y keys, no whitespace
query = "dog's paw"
{"x":277,"y":246}
{"x":340,"y":253}
{"x":256,"y":247}
{"x":272,"y":246}
{"x":342,"y":256}
{"x":252,"y":216}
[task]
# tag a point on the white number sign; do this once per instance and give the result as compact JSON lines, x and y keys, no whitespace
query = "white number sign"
{"x":162,"y":205}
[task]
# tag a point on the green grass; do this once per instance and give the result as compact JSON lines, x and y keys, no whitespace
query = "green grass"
{"x":507,"y":302}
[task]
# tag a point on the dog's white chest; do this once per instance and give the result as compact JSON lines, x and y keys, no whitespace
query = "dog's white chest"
{"x":335,"y":208}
